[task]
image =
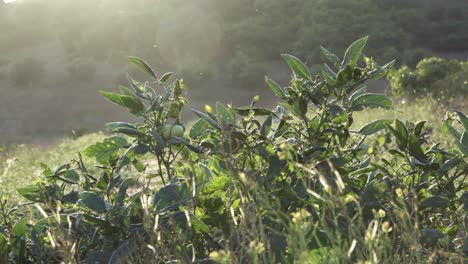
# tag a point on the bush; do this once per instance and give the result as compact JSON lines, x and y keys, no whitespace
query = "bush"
{"x":433,"y":76}
{"x":455,"y":84}
{"x":251,"y":185}
{"x":28,"y":71}
{"x":82,"y":69}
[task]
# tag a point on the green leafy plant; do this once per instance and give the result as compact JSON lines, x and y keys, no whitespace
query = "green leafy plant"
{"x":254,"y":185}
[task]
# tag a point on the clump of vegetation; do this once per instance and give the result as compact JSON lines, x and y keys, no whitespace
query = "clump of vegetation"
{"x":260,"y":29}
{"x":28,"y":71}
{"x":432,"y":76}
{"x":250,"y":184}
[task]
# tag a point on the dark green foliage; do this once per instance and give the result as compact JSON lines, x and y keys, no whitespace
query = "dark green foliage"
{"x":252,"y":185}
{"x":240,"y":38}
{"x":436,"y":76}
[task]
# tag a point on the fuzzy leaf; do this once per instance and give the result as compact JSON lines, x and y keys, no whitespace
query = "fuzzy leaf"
{"x":277,"y":90}
{"x":297,"y":66}
{"x":353,"y":52}
{"x":143,"y":65}
{"x":373,"y":127}
{"x":92,"y":201}
{"x":104,"y":151}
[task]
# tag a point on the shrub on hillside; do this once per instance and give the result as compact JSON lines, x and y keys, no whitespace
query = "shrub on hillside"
{"x":27,"y":71}
{"x":434,"y":76}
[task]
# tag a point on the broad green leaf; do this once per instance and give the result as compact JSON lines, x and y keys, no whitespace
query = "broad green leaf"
{"x":464,"y":139}
{"x":370,"y":100}
{"x":218,"y":183}
{"x":170,"y":195}
{"x":329,"y":74}
{"x":357,"y":93}
{"x":92,"y":201}
{"x":353,"y":52}
{"x":121,"y":194}
{"x":449,"y":164}
{"x":329,"y":71}
{"x":338,"y":113}
{"x":125,"y":91}
{"x":224,"y":115}
{"x":132,"y":103}
{"x":419,"y":127}
{"x":208,"y":119}
{"x":463,"y":119}
{"x":331,"y":57}
{"x":266,"y":126}
{"x":297,"y":66}
{"x":71,"y":176}
{"x":20,"y":228}
{"x":258,"y":111}
{"x":4,"y":249}
{"x":104,"y":151}
{"x":344,"y":76}
{"x":447,"y":127}
{"x":18,"y":240}
{"x":161,"y":143}
{"x":277,"y":90}
{"x":143,"y":65}
{"x":294,"y":108}
{"x":138,"y":87}
{"x":198,"y":128}
{"x":128,"y":131}
{"x":315,"y":95}
{"x":373,"y":127}
{"x":198,"y":225}
{"x":401,"y":134}
{"x":179,"y":140}
{"x":34,"y":193}
{"x":165,"y":77}
{"x":115,"y":125}
{"x":414,"y":148}
{"x":113,"y":97}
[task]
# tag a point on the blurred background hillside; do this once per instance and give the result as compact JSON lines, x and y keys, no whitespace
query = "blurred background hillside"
{"x":56,"y":54}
